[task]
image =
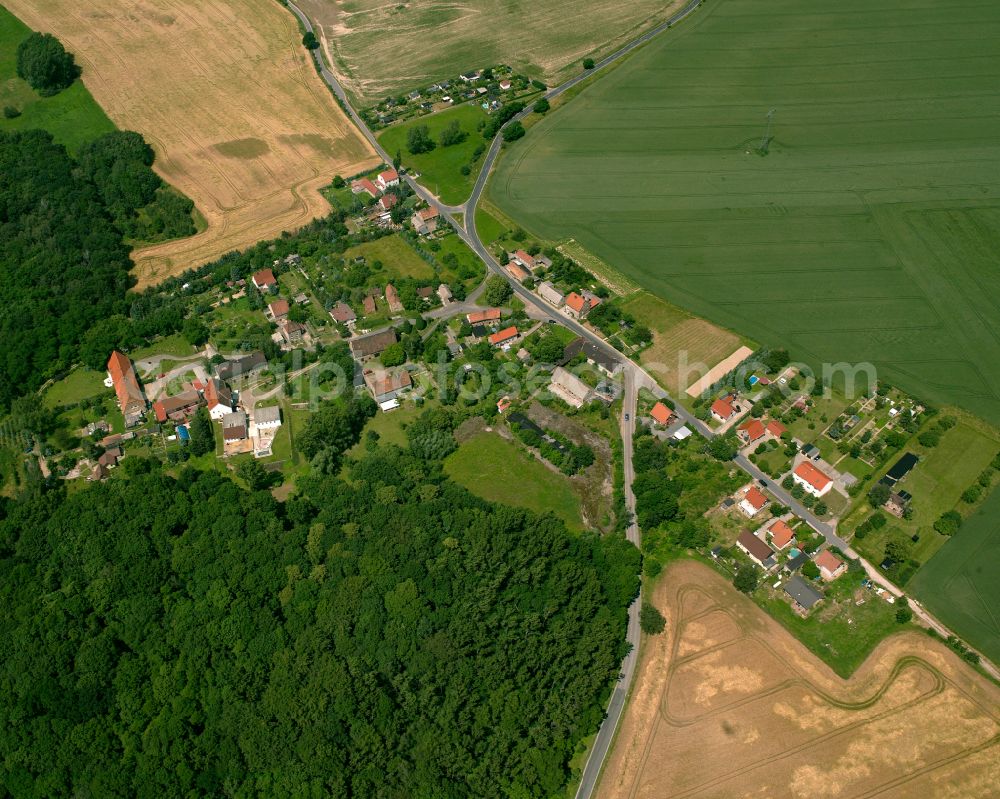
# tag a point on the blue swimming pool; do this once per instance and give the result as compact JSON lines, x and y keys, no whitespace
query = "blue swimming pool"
{"x":182,"y":433}
{"x":753,"y":380}
{"x":794,"y":552}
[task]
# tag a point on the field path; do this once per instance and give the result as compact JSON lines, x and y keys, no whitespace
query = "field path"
{"x":225,"y":94}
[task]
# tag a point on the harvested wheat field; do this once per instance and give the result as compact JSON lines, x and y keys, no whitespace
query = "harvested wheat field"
{"x":222,"y":89}
{"x":380,"y":49}
{"x":727,"y":704}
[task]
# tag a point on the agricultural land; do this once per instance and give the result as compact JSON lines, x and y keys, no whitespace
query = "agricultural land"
{"x":726,"y":703}
{"x":861,"y":226}
{"x":224,"y":92}
{"x":71,"y":116}
{"x":959,"y":584}
{"x":382,"y":49}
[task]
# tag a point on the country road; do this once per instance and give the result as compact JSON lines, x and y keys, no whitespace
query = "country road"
{"x":634,"y":376}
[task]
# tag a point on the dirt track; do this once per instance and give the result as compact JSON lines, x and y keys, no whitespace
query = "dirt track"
{"x":728,"y":704}
{"x":222,"y":89}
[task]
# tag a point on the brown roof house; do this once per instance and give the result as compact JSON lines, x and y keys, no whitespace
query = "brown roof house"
{"x":425,"y":221}
{"x":386,"y":385}
{"x":234,"y":426}
{"x":341,"y":312}
{"x":392,"y":298}
{"x":365,"y":347}
{"x":755,"y":549}
{"x":177,"y":407}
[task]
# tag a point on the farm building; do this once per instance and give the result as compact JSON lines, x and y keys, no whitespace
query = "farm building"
{"x":241,"y":367}
{"x":568,"y":387}
{"x":518,"y":272}
{"x":479,"y":317}
{"x":425,"y":221}
{"x":369,"y":346}
{"x":550,"y":293}
{"x":177,"y":407}
{"x":234,"y":426}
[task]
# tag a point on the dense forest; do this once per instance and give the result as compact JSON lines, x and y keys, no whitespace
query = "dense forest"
{"x":64,"y":261}
{"x":386,"y":636}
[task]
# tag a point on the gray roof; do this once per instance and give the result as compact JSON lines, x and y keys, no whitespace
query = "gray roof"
{"x":592,"y":353}
{"x":796,"y":563}
{"x":267,"y":414}
{"x":372,"y":344}
{"x":234,"y":419}
{"x":803,"y":593}
{"x":227,"y":370}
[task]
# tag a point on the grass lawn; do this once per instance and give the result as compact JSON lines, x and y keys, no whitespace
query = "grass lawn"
{"x":174,"y":344}
{"x":439,"y":169}
{"x":488,"y":226}
{"x":679,"y":340}
{"x":72,"y":116}
{"x":936,"y":483}
{"x":841,"y":633}
{"x":867,"y":233}
{"x":959,"y":584}
{"x":389,"y":427}
{"x":501,"y":471}
{"x":398,"y":258}
{"x":81,"y":383}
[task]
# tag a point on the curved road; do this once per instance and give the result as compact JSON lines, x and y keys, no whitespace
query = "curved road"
{"x":634,"y":375}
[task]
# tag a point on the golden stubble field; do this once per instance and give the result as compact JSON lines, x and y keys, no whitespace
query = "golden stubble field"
{"x":379,"y":49}
{"x":222,"y":89}
{"x":727,"y":704}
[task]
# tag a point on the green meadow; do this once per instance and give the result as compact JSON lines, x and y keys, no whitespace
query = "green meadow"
{"x":72,"y":116}
{"x":440,"y":169}
{"x":869,"y":230}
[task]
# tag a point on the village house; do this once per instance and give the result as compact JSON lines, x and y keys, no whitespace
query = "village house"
{"x":753,"y":501}
{"x":425,"y":221}
{"x":444,"y":294}
{"x":723,"y":410}
{"x":755,"y":549}
{"x":387,"y":178}
{"x":368,"y":304}
{"x":504,"y":85}
{"x":364,"y":186}
{"x":365,"y":347}
{"x":595,"y":356}
{"x":518,"y":272}
{"x":781,"y":534}
{"x":110,"y":457}
{"x":482,"y":317}
{"x":342,"y":313}
{"x":803,"y":595}
{"x":392,"y":298}
{"x":898,"y":502}
{"x":292,"y":332}
{"x":278,"y":310}
{"x":579,"y":305}
{"x":387,"y":202}
{"x":267,"y":418}
{"x":131,"y":398}
{"x":503,"y":338}
{"x":569,"y":388}
{"x":751,"y":431}
{"x":830,"y":566}
{"x":241,"y":367}
{"x":234,"y":426}
{"x":661,"y":414}
{"x":550,"y":294}
{"x":521,"y":258}
{"x":812,"y":480}
{"x":386,"y":385}
{"x":264,"y":280}
{"x":219,"y":399}
{"x":775,"y":428}
{"x":178,"y":407}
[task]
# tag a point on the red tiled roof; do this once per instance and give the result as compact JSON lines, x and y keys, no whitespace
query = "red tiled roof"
{"x":812,"y":475}
{"x":755,"y":498}
{"x":524,"y":258}
{"x":369,"y":305}
{"x":503,"y":335}
{"x":388,"y":175}
{"x":661,"y":413}
{"x":722,"y":408}
{"x":278,"y":308}
{"x":489,"y":315}
{"x":754,"y":428}
{"x":341,"y":312}
{"x":265,"y":277}
{"x":775,"y":428}
{"x":126,"y":384}
{"x":575,"y":301}
{"x":827,"y":560}
{"x":517,"y":272}
{"x":388,"y":201}
{"x":781,"y":534}
{"x":364,"y":185}
{"x":428,"y":214}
